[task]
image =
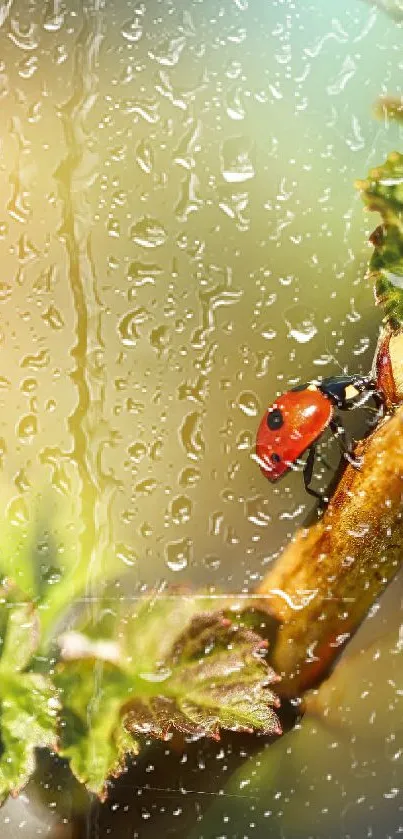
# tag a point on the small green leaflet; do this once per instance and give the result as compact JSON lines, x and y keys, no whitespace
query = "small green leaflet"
{"x":28,"y":700}
{"x":93,"y":693}
{"x":383,"y":191}
{"x":196,"y":680}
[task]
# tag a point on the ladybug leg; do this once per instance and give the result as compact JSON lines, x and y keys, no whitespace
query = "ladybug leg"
{"x":346,"y":444}
{"x":380,"y":407}
{"x":325,"y":462}
{"x":308,"y":472}
{"x":337,"y":428}
{"x":379,"y":400}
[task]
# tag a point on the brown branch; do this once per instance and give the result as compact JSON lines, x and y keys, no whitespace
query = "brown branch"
{"x":331,"y":574}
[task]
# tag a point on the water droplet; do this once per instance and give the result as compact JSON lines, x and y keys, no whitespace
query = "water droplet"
{"x":181,"y":508}
{"x":127,"y":326}
{"x":156,"y":449}
{"x":249,"y":403}
{"x":51,"y":576}
{"x":126,"y":554}
{"x":160,"y":339}
{"x":212,"y":562}
{"x":189,"y":477}
{"x":146,"y":487}
{"x":28,"y":66}
{"x":353,"y":316}
{"x":17,"y":511}
{"x":54,"y":17}
{"x":191,"y":436}
{"x":235,"y":108}
{"x":113,"y":228}
{"x":158,"y":676}
{"x":5,"y":292}
{"x":60,"y":54}
{"x":53,"y":318}
{"x":231,"y":537}
{"x":21,"y":481}
{"x":133,"y":406}
{"x":257,"y":510}
{"x":216,"y":521}
{"x":169,"y":51}
{"x":194,"y":391}
{"x":132,"y":30}
{"x":37,"y":361}
{"x":300,"y":324}
{"x":149,"y":233}
{"x":236,"y":162}
{"x":143,"y":273}
{"x":322,"y":360}
{"x":361,"y":346}
{"x":27,"y":428}
{"x":137,"y":451}
{"x":268,"y":332}
{"x":144,"y":156}
{"x":244,"y":440}
{"x":236,"y":35}
{"x":178,"y":554}
{"x":347,"y":70}
{"x":145,"y":530}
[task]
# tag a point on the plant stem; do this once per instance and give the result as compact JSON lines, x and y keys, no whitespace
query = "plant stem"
{"x":331,"y":574}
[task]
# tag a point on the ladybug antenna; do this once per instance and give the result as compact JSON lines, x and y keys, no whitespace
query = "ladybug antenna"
{"x":343,"y":370}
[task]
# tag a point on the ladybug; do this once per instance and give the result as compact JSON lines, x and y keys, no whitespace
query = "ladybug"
{"x":295,"y":421}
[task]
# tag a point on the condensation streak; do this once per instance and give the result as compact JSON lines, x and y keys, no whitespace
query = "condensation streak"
{"x":74,"y":175}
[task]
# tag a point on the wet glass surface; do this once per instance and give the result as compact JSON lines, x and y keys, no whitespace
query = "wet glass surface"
{"x":180,"y":242}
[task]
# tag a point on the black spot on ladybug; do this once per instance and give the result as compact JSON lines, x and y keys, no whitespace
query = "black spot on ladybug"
{"x":275,"y":458}
{"x":275,"y":419}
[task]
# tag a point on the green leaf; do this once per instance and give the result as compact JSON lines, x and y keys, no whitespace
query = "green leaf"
{"x":43,"y":552}
{"x":19,"y":634}
{"x":210,"y":675}
{"x":28,"y":700}
{"x":219,"y":678}
{"x":28,"y":709}
{"x":198,"y":679}
{"x":31,"y":554}
{"x":149,"y":633}
{"x":382,"y":191}
{"x":92,"y":735}
{"x":16,"y":553}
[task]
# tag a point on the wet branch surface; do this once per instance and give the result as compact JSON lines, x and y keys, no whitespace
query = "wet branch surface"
{"x":331,"y":574}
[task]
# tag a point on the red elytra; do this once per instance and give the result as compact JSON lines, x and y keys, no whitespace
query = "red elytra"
{"x":289,"y":427}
